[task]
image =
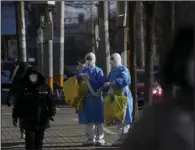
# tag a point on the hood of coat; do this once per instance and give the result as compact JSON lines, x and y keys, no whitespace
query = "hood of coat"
{"x":34,"y":78}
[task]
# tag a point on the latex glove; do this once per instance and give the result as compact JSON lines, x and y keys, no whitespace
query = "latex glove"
{"x":85,"y":76}
{"x":80,"y":67}
{"x":15,"y":122}
{"x":108,"y":84}
{"x":110,"y":92}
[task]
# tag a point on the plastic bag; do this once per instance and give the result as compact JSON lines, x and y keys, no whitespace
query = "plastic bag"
{"x":115,"y":107}
{"x":82,"y":90}
{"x":71,"y":90}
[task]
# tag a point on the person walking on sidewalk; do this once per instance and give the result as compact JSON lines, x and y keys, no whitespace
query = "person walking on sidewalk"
{"x":35,"y":107}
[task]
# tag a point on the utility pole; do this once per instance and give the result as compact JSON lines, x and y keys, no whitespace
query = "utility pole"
{"x":22,"y":32}
{"x":150,"y":20}
{"x":61,"y":63}
{"x":17,"y":28}
{"x":48,"y":48}
{"x":58,"y":51}
{"x":40,"y":39}
{"x":103,"y":53}
{"x":121,"y":38}
{"x":93,"y":28}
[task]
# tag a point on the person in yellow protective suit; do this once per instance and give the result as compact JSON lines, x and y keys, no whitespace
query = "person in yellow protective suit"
{"x":92,"y":114}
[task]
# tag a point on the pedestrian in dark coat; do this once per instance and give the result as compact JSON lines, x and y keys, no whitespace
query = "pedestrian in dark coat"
{"x":35,"y":106}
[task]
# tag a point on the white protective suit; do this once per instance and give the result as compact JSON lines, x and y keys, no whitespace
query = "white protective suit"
{"x":92,"y":115}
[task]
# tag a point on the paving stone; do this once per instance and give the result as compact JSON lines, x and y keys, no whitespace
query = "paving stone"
{"x":65,"y":132}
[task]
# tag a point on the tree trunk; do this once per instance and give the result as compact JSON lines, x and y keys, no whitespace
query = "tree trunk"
{"x":140,"y":34}
{"x":103,"y":53}
{"x":150,"y":20}
{"x":121,"y":37}
{"x":132,"y":65}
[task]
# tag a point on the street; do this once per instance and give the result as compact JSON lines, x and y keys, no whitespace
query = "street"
{"x":65,"y":132}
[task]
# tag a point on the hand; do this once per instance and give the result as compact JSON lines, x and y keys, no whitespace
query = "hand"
{"x":107,"y":84}
{"x":15,"y":122}
{"x":80,"y":67}
{"x":99,"y":90}
{"x":85,"y":76}
{"x":51,"y":118}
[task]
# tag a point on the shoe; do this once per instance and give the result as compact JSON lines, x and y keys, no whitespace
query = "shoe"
{"x":89,"y":142}
{"x":118,"y":142}
{"x":100,"y":142}
{"x":22,"y":135}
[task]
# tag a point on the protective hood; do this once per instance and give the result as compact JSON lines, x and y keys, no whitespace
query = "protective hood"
{"x":90,"y":60}
{"x":115,"y":60}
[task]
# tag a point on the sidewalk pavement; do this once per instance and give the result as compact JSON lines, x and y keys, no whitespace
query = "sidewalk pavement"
{"x":65,"y":132}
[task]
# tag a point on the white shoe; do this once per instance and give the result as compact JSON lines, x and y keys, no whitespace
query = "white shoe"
{"x":22,"y":135}
{"x":100,"y":142}
{"x":89,"y":142}
{"x":118,"y":142}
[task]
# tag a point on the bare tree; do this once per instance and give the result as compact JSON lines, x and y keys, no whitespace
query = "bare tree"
{"x":140,"y":34}
{"x":150,"y":20}
{"x":131,"y":9}
{"x":103,"y":53}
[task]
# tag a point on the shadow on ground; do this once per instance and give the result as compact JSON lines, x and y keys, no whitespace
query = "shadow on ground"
{"x":9,"y":145}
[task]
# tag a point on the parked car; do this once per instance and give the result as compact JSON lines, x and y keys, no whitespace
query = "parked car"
{"x":157,"y":91}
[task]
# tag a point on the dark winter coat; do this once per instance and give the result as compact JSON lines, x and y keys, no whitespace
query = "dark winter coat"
{"x":18,"y":77}
{"x":34,"y":104}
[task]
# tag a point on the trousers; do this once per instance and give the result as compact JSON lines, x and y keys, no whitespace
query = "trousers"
{"x":34,"y":139}
{"x":95,"y":131}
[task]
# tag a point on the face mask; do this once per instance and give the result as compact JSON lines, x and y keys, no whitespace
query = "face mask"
{"x":33,"y":78}
{"x":190,"y":72}
{"x":113,"y":64}
{"x":90,"y":63}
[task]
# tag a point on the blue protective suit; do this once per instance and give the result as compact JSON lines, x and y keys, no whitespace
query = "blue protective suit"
{"x":122,"y":79}
{"x":92,"y":105}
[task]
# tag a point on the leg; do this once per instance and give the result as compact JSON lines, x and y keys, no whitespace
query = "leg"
{"x":39,"y":136}
{"x":22,"y":131}
{"x":99,"y":134}
{"x":29,"y":140}
{"x":90,"y":135}
{"x":123,"y":129}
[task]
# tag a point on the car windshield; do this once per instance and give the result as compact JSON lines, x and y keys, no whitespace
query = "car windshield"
{"x":141,"y":77}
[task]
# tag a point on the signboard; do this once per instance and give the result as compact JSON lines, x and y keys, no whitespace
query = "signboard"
{"x":12,"y":48}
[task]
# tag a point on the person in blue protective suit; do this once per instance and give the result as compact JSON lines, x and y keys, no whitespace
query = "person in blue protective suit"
{"x":92,"y":114}
{"x":120,"y":78}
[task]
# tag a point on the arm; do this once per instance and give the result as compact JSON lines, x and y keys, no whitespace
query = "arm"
{"x":50,"y":104}
{"x":123,"y":79}
{"x":16,"y":108}
{"x":99,"y":80}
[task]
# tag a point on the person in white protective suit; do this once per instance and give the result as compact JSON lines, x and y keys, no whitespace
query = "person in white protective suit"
{"x":92,"y":114}
{"x":119,"y":78}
